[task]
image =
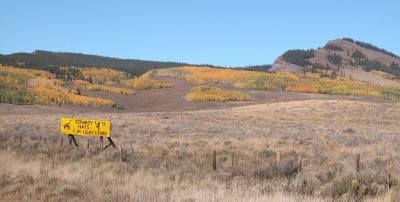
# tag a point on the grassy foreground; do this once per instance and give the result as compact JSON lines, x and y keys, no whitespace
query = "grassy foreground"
{"x":169,"y":156}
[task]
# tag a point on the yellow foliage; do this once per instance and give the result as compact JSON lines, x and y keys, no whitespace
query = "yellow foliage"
{"x":203,"y":93}
{"x":81,"y":83}
{"x":25,"y":73}
{"x":62,"y":96}
{"x":37,"y":86}
{"x":302,"y":88}
{"x":111,"y":89}
{"x":9,"y":81}
{"x":103,"y":75}
{"x":45,"y":82}
{"x":145,"y":84}
{"x":97,"y":87}
{"x":284,"y":81}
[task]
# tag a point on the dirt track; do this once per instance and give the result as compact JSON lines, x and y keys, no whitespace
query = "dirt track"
{"x":173,"y":99}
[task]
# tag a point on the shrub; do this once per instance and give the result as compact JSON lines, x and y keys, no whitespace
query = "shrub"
{"x":298,"y":57}
{"x":62,"y":96}
{"x":146,"y":83}
{"x":309,"y":83}
{"x":203,"y":93}
{"x":333,"y":47}
{"x":266,"y":154}
{"x":370,"y":65}
{"x":335,"y":59}
{"x":79,"y":84}
{"x":287,"y":168}
{"x":371,"y":47}
{"x":337,"y":187}
{"x":305,"y":184}
{"x":395,"y":194}
{"x":358,"y":55}
{"x":102,"y":75}
{"x":356,"y":187}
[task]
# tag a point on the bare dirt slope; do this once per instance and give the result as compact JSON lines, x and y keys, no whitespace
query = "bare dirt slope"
{"x":173,"y":99}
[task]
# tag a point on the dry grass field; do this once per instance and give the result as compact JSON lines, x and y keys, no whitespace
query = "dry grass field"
{"x":284,"y":151}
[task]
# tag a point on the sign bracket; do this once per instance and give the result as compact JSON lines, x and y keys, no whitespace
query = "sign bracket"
{"x":111,"y":143}
{"x":71,"y":139}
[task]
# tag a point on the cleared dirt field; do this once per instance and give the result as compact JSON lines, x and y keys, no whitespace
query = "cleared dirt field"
{"x":173,"y":99}
{"x":167,"y":156}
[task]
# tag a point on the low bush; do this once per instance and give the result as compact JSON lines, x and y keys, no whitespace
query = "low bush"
{"x":204,"y":93}
{"x":287,"y":168}
{"x":146,"y":83}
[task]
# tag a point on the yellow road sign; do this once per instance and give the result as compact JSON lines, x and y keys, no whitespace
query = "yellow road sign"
{"x":86,"y":127}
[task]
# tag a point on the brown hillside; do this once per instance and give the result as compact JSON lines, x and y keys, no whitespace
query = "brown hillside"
{"x":349,"y":66}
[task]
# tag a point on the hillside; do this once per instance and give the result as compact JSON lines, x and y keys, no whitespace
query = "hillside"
{"x":353,"y":59}
{"x":45,"y":60}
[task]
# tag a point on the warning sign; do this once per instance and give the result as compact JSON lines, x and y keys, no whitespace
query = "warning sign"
{"x":86,"y":127}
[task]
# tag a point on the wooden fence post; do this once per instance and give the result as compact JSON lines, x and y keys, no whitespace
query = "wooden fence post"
{"x":233,"y":160}
{"x":163,"y":152}
{"x":61,"y":142}
{"x":214,"y":160}
{"x":358,"y":158}
{"x":278,"y":158}
{"x":120,"y":154}
{"x":300,"y":162}
{"x":101,"y":143}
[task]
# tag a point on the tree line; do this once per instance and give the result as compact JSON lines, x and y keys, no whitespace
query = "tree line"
{"x":371,"y":47}
{"x":298,"y":56}
{"x":46,"y":60}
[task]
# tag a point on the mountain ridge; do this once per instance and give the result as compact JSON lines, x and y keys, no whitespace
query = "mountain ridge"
{"x":353,"y":59}
{"x":347,"y":56}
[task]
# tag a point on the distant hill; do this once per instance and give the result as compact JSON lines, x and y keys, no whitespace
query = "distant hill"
{"x":45,"y":59}
{"x":347,"y":57}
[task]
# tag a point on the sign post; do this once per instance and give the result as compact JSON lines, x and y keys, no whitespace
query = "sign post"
{"x":86,"y":127}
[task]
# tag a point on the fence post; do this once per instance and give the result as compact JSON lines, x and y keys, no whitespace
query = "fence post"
{"x":278,"y":158}
{"x":163,"y":152}
{"x":358,"y":158}
{"x":214,"y":160}
{"x":88,"y":144}
{"x":233,"y":160}
{"x":101,"y":143}
{"x":61,"y":142}
{"x":300,"y":162}
{"x":121,"y":154}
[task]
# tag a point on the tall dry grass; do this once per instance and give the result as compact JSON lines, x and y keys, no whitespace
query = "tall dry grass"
{"x":168,"y":156}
